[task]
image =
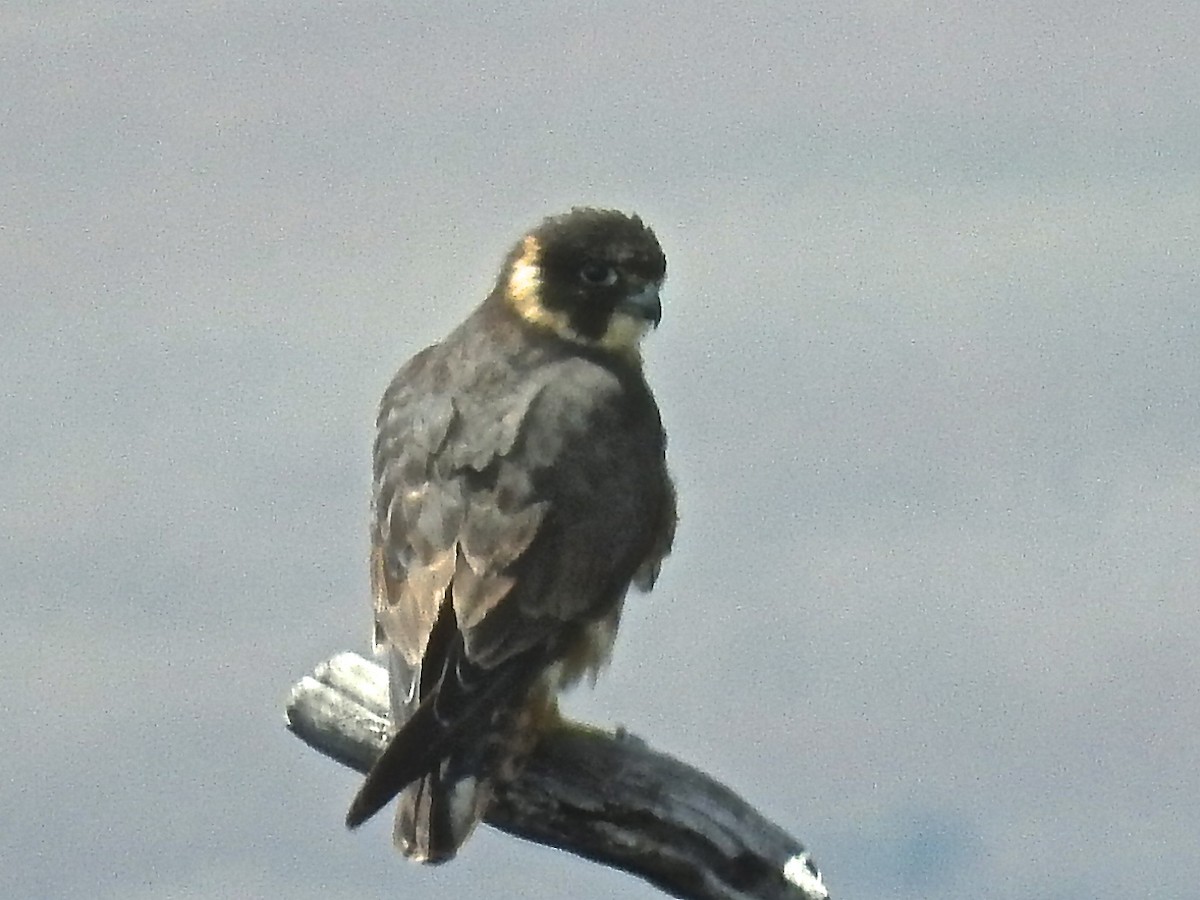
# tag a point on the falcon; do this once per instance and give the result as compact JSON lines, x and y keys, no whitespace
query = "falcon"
{"x":520,"y":489}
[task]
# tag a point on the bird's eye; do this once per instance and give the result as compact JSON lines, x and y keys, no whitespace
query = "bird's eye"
{"x":597,"y":273}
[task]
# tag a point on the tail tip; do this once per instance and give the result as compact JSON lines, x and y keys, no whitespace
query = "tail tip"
{"x":360,"y":810}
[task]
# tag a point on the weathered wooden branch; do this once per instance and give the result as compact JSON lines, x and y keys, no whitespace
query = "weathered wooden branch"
{"x":607,"y":797}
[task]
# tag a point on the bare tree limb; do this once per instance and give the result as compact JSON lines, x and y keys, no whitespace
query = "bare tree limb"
{"x":607,"y":797}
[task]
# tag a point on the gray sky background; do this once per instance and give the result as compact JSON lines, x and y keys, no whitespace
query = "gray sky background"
{"x":930,"y":363}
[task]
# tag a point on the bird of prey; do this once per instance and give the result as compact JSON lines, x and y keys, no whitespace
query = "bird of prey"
{"x":520,"y":489}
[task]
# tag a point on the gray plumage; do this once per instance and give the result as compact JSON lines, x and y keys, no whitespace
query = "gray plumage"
{"x":520,"y":488}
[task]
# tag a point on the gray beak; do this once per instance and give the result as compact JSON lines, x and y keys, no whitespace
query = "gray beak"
{"x":644,"y":304}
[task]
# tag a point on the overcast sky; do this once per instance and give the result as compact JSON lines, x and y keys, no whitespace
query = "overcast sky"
{"x":929,"y":362}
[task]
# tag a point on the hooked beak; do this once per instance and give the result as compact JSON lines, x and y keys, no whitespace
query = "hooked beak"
{"x":644,"y":304}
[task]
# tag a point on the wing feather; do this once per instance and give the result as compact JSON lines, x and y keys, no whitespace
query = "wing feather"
{"x":512,"y":510}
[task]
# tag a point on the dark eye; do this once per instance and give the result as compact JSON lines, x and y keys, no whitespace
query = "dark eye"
{"x":598,"y":273}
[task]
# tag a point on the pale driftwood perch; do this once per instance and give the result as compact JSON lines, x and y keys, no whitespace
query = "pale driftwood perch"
{"x":607,"y":797}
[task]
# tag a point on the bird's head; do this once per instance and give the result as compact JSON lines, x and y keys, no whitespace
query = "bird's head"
{"x":590,"y":276}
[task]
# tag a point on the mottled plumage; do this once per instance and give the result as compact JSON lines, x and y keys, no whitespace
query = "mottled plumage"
{"x":520,"y":488}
